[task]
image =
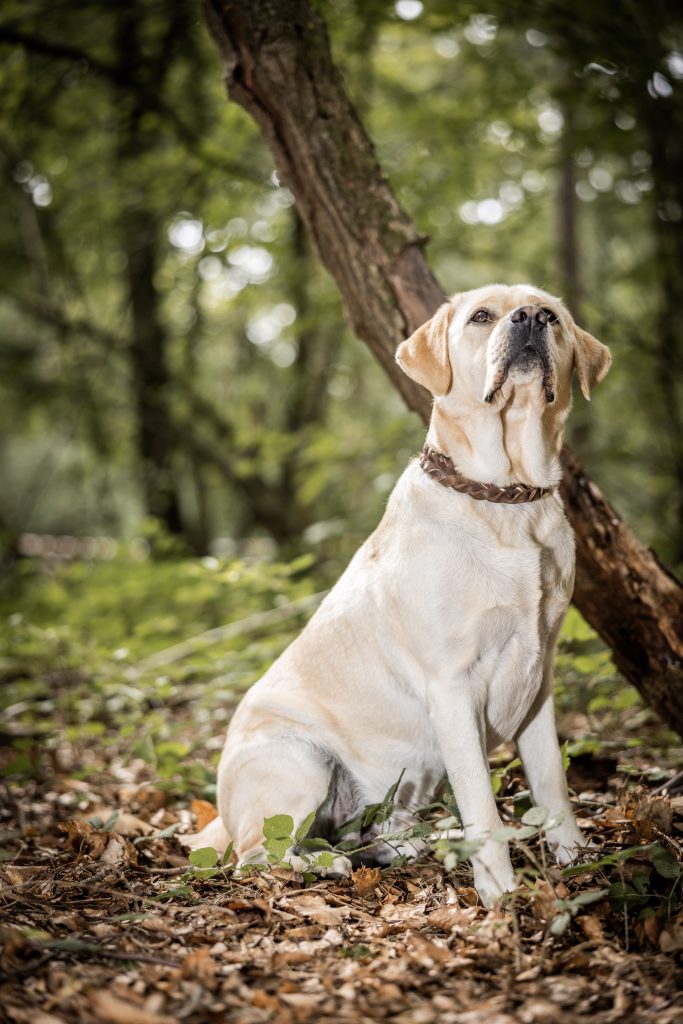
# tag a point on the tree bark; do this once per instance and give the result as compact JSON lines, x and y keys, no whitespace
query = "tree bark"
{"x":279,"y":68}
{"x":140,"y":235}
{"x":626,"y":594}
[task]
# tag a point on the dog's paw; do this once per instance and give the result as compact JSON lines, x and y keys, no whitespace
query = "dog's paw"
{"x":566,"y":842}
{"x":491,"y":892}
{"x":493,"y":873}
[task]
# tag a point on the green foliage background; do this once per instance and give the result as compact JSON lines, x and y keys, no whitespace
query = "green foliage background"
{"x":477,"y":114}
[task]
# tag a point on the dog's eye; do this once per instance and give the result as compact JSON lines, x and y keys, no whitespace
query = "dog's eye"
{"x":552,"y":317}
{"x":482,"y":316}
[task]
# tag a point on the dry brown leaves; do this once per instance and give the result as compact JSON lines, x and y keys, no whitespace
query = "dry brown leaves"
{"x":100,"y":926}
{"x":203,"y":812}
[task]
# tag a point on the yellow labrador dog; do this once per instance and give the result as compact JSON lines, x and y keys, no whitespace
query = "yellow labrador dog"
{"x":437,"y":642}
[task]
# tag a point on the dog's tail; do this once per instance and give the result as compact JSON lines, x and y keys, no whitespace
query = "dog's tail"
{"x":213,"y":834}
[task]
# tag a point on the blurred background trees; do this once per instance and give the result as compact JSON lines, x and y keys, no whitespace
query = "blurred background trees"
{"x":175,"y":362}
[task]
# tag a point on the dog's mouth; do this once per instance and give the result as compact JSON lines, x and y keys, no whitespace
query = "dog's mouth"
{"x":525,"y":360}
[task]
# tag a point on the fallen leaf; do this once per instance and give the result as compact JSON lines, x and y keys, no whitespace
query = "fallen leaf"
{"x":11,"y":942}
{"x":425,"y":952}
{"x":121,"y":1011}
{"x":204,"y":812}
{"x":263,"y":1001}
{"x":302,"y":1000}
{"x":130,"y":825}
{"x":153,"y":923}
{"x":468,"y":896}
{"x":649,"y":814}
{"x":118,"y":850}
{"x":34,"y":1016}
{"x":591,"y":927}
{"x":199,"y":966}
{"x":83,"y":839}
{"x":652,"y":929}
{"x":365,"y":881}
{"x":292,"y":956}
{"x":671,"y":939}
{"x":314,"y":906}
{"x":541,"y":1011}
{"x":151,"y":797}
{"x":14,"y":876}
{"x":122,"y":822}
{"x":544,"y":900}
{"x":388,"y":992}
{"x":448,"y":918}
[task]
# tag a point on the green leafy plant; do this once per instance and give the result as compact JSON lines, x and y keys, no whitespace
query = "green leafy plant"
{"x":569,"y":908}
{"x":206,"y":862}
{"x":104,"y":826}
{"x":652,"y":888}
{"x":373,"y":814}
{"x":280,"y":837}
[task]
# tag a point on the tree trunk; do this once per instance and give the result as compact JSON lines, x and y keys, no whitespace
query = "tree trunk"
{"x":151,"y":379}
{"x":626,"y":594}
{"x":140,"y":235}
{"x":279,"y":68}
{"x":315,"y":356}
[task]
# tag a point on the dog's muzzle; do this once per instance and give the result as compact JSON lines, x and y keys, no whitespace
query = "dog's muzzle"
{"x":526,"y":346}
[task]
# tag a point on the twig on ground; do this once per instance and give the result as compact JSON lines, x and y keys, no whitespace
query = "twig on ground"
{"x":162,"y":871}
{"x":92,"y":949}
{"x":22,"y":972}
{"x":672,"y":784}
{"x":228,"y":632}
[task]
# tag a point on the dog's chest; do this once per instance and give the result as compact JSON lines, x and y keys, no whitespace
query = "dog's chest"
{"x":512,"y":621}
{"x":490,"y":592}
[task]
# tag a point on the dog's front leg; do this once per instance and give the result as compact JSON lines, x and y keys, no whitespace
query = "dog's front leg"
{"x":541,"y":756}
{"x":459,"y":733}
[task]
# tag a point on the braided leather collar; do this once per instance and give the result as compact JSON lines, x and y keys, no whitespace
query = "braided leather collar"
{"x":440,"y":468}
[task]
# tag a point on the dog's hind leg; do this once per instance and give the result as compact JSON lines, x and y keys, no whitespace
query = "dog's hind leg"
{"x":280,"y":775}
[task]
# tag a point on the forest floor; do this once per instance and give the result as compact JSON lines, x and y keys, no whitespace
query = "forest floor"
{"x":104,"y":919}
{"x":112,"y":924}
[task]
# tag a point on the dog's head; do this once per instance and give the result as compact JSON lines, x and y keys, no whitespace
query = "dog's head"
{"x":492,"y":345}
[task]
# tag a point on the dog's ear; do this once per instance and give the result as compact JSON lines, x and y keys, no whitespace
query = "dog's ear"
{"x":592,"y":360}
{"x":424,"y":355}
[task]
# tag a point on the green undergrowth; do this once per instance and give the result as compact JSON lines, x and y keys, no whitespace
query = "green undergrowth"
{"x":107,"y":662}
{"x":135,"y":666}
{"x":92,"y":670}
{"x":640,"y":881}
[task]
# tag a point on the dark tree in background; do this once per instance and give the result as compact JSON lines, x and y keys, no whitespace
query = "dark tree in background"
{"x":143,"y":67}
{"x":124,"y":97}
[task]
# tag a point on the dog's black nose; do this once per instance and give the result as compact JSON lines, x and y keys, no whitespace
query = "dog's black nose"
{"x":531,"y":313}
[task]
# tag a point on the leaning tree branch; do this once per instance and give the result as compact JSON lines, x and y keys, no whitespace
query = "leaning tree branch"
{"x":127,"y":83}
{"x":56,"y":50}
{"x":279,"y":68}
